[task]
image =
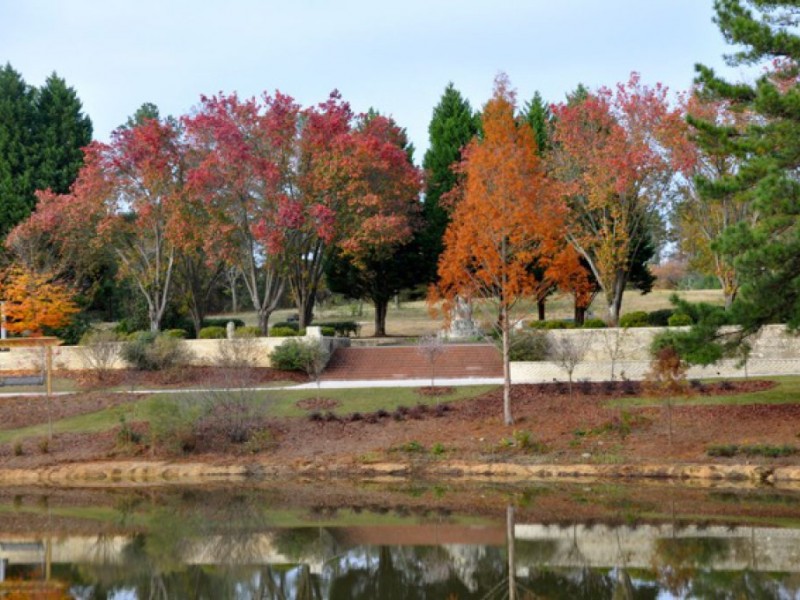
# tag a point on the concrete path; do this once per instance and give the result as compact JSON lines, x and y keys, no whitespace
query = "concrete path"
{"x":325,"y":385}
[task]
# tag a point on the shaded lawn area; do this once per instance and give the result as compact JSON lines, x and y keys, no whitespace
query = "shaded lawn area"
{"x":278,"y":403}
{"x":786,"y":391}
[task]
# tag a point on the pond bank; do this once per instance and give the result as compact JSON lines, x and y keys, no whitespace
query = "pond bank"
{"x":134,"y":473}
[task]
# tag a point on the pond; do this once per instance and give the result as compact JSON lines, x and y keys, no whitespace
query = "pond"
{"x":317,"y":540}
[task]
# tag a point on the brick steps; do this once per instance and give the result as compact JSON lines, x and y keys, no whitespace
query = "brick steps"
{"x":405,"y":362}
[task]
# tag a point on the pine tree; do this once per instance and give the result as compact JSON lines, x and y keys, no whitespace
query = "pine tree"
{"x":766,"y":253}
{"x":536,"y":113}
{"x":451,"y":128}
{"x":62,"y":130}
{"x":17,"y":174}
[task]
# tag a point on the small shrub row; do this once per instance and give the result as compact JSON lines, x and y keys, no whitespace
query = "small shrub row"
{"x":401,"y":413}
{"x":221,"y":322}
{"x":766,"y":450}
{"x":658,"y":318}
{"x":282,"y":331}
{"x":341,"y":328}
{"x":213,"y":332}
{"x":522,"y":439}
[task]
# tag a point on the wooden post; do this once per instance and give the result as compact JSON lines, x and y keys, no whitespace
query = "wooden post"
{"x":49,"y":385}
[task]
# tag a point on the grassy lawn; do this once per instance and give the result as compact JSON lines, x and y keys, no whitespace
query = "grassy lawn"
{"x":279,"y":403}
{"x":414,"y":319}
{"x":787,"y":391}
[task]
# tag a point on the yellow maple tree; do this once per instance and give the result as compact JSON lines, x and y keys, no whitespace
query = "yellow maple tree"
{"x":34,"y":301}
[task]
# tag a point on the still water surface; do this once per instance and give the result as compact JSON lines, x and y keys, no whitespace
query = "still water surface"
{"x":412,"y":542}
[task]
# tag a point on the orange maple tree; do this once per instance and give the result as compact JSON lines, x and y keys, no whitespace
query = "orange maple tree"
{"x":506,"y":217}
{"x":33,"y":301}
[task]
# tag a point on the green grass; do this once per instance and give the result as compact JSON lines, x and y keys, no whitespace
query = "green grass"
{"x":279,"y":403}
{"x":787,"y":391}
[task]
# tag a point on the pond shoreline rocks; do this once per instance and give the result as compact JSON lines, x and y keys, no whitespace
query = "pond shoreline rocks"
{"x":134,"y":473}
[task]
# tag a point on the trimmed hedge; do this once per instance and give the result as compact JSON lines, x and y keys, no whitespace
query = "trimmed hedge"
{"x":594,"y":324}
{"x":343,"y":328}
{"x":552,"y":325}
{"x":637,"y":318}
{"x":247,"y":331}
{"x":214,"y":332}
{"x":283,"y":332}
{"x":680,"y":320}
{"x":217,"y":322}
{"x":660,"y":318}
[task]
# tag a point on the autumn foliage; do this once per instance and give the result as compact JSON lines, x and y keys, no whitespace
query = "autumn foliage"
{"x":34,"y":302}
{"x":507,"y":217}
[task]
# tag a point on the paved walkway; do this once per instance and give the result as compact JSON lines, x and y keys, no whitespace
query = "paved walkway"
{"x":325,"y":385}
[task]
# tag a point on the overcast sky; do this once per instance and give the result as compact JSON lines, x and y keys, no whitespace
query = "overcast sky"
{"x":396,"y":56}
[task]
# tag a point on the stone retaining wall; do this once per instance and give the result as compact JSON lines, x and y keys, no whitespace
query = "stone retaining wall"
{"x":200,"y":352}
{"x":624,"y":353}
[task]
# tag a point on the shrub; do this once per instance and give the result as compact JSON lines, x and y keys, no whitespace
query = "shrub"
{"x":235,"y":413}
{"x":248,"y":331}
{"x":660,"y":318}
{"x":531,"y":345}
{"x":328,"y":331}
{"x":178,"y":334}
{"x":241,"y":352}
{"x":222,"y":323}
{"x":154,"y":352}
{"x":637,"y":318}
{"x":98,"y":351}
{"x":679,"y":320}
{"x":342,"y":328}
{"x":212,"y":332}
{"x":173,"y":422}
{"x":283,"y":332}
{"x":552,"y":325}
{"x":299,"y":355}
{"x":594,"y":324}
{"x":290,"y":324}
{"x":18,"y":448}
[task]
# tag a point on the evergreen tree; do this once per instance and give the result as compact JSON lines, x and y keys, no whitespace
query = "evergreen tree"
{"x":17,"y":155}
{"x":536,"y":113}
{"x":62,"y":130}
{"x":452,"y":126}
{"x":42,"y":133}
{"x":766,"y":253}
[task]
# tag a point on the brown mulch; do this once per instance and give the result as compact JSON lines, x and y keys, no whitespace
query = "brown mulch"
{"x":436,"y":391}
{"x":183,"y":376}
{"x":22,"y":411}
{"x":317,"y":404}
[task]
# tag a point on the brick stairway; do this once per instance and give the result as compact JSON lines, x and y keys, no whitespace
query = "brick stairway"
{"x":405,"y":362}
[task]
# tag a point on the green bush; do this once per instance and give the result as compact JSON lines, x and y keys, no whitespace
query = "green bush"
{"x":549,"y":325}
{"x":530,"y":345}
{"x":173,"y":422}
{"x":343,"y":328}
{"x":178,"y":334}
{"x":247,"y":331}
{"x":299,"y":355}
{"x":283,"y":332}
{"x":660,"y":318}
{"x":222,"y":323}
{"x":328,"y":331}
{"x":594,"y":324}
{"x":148,"y":351}
{"x":213,"y":332}
{"x":679,"y":320}
{"x":634,"y":319}
{"x":290,"y":324}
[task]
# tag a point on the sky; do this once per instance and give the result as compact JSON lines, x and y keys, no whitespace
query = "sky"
{"x":395,"y":56}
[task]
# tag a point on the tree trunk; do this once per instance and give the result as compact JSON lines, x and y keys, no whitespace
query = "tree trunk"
{"x":540,"y":305}
{"x":580,"y":315}
{"x":263,"y":321}
{"x":381,"y":308}
{"x":512,"y":572}
{"x":615,"y":299}
{"x":507,"y":418}
{"x":305,"y":308}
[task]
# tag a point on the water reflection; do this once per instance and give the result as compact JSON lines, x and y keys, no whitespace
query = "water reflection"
{"x":250,"y":545}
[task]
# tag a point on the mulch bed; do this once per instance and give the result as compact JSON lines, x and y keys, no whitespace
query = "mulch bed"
{"x":311,"y":404}
{"x":184,"y":376}
{"x":435,"y":391}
